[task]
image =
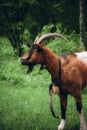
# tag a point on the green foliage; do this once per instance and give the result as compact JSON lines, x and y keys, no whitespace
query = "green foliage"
{"x":26,"y":36}
{"x":5,"y":46}
{"x":37,"y":16}
{"x":24,"y":101}
{"x":46,"y":29}
{"x":59,"y":28}
{"x":49,"y":28}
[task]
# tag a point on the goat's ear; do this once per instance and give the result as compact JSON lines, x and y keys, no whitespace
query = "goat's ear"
{"x":39,"y":48}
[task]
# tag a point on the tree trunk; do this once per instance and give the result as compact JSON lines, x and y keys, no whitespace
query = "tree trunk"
{"x":16,"y":45}
{"x":83,"y":39}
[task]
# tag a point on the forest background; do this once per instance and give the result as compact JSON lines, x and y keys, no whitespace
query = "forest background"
{"x":22,"y":20}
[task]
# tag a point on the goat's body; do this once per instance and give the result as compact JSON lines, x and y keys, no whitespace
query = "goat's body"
{"x":69,"y":75}
{"x":74,"y":69}
{"x":73,"y":79}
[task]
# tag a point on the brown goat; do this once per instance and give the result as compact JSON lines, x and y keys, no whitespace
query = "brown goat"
{"x":69,"y":74}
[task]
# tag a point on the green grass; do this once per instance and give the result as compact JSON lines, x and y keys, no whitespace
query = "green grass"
{"x":24,"y":101}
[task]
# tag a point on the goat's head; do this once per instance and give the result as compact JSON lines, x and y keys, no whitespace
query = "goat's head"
{"x":35,"y":54}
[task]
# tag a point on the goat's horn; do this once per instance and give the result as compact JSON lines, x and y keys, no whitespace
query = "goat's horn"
{"x":46,"y":36}
{"x":36,"y":39}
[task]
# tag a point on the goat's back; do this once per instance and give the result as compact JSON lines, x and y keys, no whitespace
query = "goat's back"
{"x":74,"y":69}
{"x":82,"y":56}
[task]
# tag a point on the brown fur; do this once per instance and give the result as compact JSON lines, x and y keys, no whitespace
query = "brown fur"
{"x":73,"y":74}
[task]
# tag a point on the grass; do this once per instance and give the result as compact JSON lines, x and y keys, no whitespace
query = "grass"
{"x":24,"y":101}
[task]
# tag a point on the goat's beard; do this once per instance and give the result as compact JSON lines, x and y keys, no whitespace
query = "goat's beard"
{"x":30,"y":66}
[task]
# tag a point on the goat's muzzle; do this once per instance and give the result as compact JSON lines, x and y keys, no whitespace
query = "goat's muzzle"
{"x":30,"y":66}
{"x":24,"y":62}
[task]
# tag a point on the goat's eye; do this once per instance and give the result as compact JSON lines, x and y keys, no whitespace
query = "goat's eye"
{"x":36,"y":48}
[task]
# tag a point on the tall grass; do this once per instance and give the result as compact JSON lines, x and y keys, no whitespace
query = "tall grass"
{"x":24,"y":101}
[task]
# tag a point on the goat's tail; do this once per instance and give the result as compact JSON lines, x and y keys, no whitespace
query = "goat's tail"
{"x":50,"y":100}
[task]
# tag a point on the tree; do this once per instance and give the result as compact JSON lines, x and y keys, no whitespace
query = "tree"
{"x":83,"y":38}
{"x":10,"y":25}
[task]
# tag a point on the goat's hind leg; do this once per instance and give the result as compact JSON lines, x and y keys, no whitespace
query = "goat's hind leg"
{"x":83,"y":125}
{"x":63,"y":100}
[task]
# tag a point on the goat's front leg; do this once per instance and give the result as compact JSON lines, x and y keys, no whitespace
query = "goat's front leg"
{"x":63,"y":100}
{"x":83,"y":125}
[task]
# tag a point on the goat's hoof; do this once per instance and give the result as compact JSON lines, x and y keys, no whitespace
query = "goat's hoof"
{"x":83,"y":127}
{"x":60,"y":127}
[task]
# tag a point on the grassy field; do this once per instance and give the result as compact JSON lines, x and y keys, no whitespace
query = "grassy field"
{"x":24,"y":101}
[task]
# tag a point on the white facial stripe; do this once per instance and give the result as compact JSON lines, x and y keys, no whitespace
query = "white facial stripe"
{"x":82,"y":56}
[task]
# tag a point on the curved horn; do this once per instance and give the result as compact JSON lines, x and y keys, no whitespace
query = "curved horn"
{"x":46,"y":36}
{"x":36,"y":39}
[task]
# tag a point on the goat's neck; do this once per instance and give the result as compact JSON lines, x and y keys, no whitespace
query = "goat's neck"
{"x":51,"y":62}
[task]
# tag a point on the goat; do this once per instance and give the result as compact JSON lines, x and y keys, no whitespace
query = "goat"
{"x":69,"y":74}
